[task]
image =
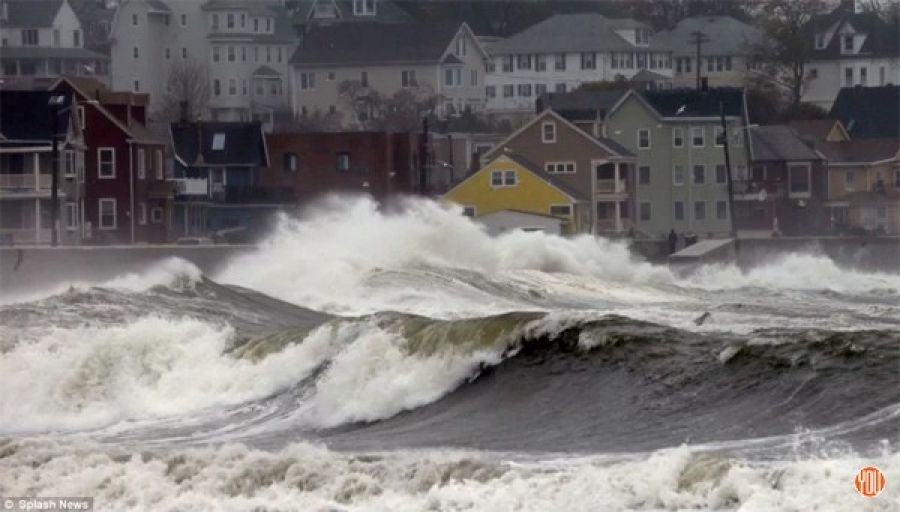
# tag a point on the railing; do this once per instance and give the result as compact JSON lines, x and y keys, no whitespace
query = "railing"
{"x":254,"y":195}
{"x":191,"y":187}
{"x":611,"y":186}
{"x":24,"y":237}
{"x":754,"y":188}
{"x":24,"y":181}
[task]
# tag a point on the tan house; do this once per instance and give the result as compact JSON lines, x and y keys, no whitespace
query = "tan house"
{"x":439,"y":63}
{"x":595,"y":168}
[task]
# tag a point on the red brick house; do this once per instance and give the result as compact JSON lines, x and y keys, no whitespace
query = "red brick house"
{"x":380,"y":164}
{"x":127,"y":199}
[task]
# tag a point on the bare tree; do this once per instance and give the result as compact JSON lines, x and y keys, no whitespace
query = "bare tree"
{"x":186,"y":81}
{"x":785,"y":46}
{"x":363,"y":101}
{"x":888,"y":10}
{"x":310,"y":122}
{"x":402,"y":111}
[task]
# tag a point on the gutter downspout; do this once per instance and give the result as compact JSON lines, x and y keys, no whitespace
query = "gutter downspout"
{"x":131,"y":186}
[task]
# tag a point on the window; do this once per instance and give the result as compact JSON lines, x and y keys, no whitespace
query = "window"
{"x":559,"y":88}
{"x":343,"y":161}
{"x":142,"y":213}
{"x":863,"y":76}
{"x":218,"y":142}
{"x":215,"y":22}
{"x":69,"y":163}
{"x":698,"y":136}
{"x":820,"y":41}
{"x":848,"y":43}
{"x":524,"y":90}
{"x":232,"y":86}
{"x":897,"y":179}
{"x":142,"y":164}
{"x":453,"y":77}
{"x":137,"y":86}
{"x":135,"y":53}
{"x":71,"y":215}
{"x":508,"y":91}
{"x":799,"y":175}
{"x":540,"y":63}
{"x":363,"y":7}
{"x":700,"y":210}
{"x":645,"y":211}
{"x":461,"y":46}
{"x":643,"y":136}
{"x":290,"y":162}
{"x":490,"y":91}
{"x":728,"y":65}
{"x":184,"y":53}
{"x":699,"y":175}
{"x":507,"y":63}
{"x":473,"y":75}
{"x":677,"y":137}
{"x":217,"y":87}
{"x":503,"y":178}
{"x":881,"y":76}
{"x":408,"y":78}
{"x":721,"y":210}
{"x":548,"y":132}
{"x":134,"y":20}
{"x":184,"y":20}
{"x":523,"y":62}
{"x":678,"y":175}
{"x":76,"y":38}
{"x":229,"y":20}
{"x":307,"y":81}
{"x":56,"y":37}
{"x":269,"y":25}
{"x":848,"y":77}
{"x":561,"y":209}
{"x":679,"y":210}
{"x":721,"y":175}
{"x":107,"y":213}
{"x":644,"y":175}
{"x":232,"y":55}
{"x":106,"y":163}
{"x":559,"y":62}
{"x":156,"y":215}
{"x":160,"y":174}
{"x":168,"y":54}
{"x":215,"y":53}
{"x":469,"y":211}
{"x":30,"y":37}
{"x":718,"y":136}
{"x":560,"y":167}
{"x":540,"y":89}
{"x":588,"y":61}
{"x":849,"y":178}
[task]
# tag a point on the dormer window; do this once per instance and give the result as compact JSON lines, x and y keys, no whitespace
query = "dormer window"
{"x":364,"y":7}
{"x":848,"y":44}
{"x":820,"y":41}
{"x":641,"y":37}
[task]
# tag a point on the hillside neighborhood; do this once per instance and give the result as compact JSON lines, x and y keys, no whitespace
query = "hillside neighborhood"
{"x":165,"y":121}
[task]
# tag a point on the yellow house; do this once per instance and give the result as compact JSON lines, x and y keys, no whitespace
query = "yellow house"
{"x":509,"y":182}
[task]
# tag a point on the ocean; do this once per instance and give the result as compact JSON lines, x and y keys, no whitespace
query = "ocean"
{"x":372,"y":360}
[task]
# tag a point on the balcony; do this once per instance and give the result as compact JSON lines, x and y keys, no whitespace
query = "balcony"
{"x":191,"y":187}
{"x":25,"y":181}
{"x":756,"y":190}
{"x":611,"y":187}
{"x":252,"y":194}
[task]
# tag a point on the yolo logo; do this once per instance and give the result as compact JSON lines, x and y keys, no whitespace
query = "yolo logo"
{"x":869,"y":481}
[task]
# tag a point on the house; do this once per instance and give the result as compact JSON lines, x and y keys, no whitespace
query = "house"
{"x":26,"y":168}
{"x":218,"y":168}
{"x":239,"y":50}
{"x":864,"y":185}
{"x":510,"y":183}
{"x":456,"y":154}
{"x":309,"y":165}
{"x":869,"y":112}
{"x":127,"y":196}
{"x":786,"y":187}
{"x":850,"y":48}
{"x":820,"y":130}
{"x":599,"y":170}
{"x":442,"y":64}
{"x":724,"y":54}
{"x":563,"y":52}
{"x":42,"y":39}
{"x":96,"y":20}
{"x":676,"y":136}
{"x":306,"y":13}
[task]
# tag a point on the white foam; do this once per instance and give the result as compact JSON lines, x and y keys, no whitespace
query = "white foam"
{"x":305,"y":477}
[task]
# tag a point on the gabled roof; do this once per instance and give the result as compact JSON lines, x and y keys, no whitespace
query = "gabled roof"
{"x":243,"y":144}
{"x":91,"y":89}
{"x":376,"y":43}
{"x":727,"y":36}
{"x":385,"y":11}
{"x":530,"y":167}
{"x":158,"y":5}
{"x":869,"y":112}
{"x":31,"y":13}
{"x":779,"y":142}
{"x":882,"y":39}
{"x":265,"y":71}
{"x":818,"y":130}
{"x":613,"y":148}
{"x":586,"y":32}
{"x":26,"y":116}
{"x":689,"y":103}
{"x":863,"y":151}
{"x":582,"y":105}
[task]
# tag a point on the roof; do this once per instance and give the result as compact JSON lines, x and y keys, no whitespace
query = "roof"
{"x":779,"y":142}
{"x":540,"y":173}
{"x":523,"y":212}
{"x":581,"y":105}
{"x":265,"y":71}
{"x":645,"y":75}
{"x":869,"y":112}
{"x":373,"y":42}
{"x":243,"y":143}
{"x":91,"y":89}
{"x":727,"y":36}
{"x":26,"y":116}
{"x":385,"y":11}
{"x":569,"y":33}
{"x":860,"y":150}
{"x":45,"y":52}
{"x":816,"y":129}
{"x":158,"y":5}
{"x":669,"y":103}
{"x":31,"y":14}
{"x":882,"y":39}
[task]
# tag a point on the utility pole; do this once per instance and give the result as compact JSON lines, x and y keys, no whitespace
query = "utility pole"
{"x":55,"y":102}
{"x":423,"y":157}
{"x":698,"y":38}
{"x":727,"y":169}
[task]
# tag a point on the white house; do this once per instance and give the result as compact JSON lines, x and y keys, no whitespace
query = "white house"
{"x":850,"y":49}
{"x":564,"y":51}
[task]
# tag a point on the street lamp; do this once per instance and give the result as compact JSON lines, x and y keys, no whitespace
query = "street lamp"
{"x":55,"y":102}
